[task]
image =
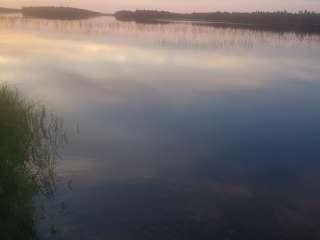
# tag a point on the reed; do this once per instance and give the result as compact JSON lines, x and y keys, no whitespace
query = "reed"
{"x":29,"y":138}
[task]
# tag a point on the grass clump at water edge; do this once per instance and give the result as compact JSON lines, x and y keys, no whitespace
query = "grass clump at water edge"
{"x":28,"y":148}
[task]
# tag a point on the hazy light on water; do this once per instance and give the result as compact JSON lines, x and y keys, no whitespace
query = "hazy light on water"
{"x":216,"y":125}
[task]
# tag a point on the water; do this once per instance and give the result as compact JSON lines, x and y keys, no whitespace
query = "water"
{"x":175,"y":131}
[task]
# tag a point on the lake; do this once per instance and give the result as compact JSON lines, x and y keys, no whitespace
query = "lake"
{"x":175,"y":131}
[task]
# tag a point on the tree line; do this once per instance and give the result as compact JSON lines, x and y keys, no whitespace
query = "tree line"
{"x":282,"y":20}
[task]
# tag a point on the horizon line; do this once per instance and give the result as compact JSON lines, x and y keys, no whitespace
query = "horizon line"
{"x":171,"y":11}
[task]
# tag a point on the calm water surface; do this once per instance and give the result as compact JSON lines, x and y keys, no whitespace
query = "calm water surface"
{"x":176,"y":131}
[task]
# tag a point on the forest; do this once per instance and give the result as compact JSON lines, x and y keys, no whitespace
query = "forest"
{"x":303,"y":21}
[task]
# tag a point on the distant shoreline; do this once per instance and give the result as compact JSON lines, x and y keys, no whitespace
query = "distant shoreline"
{"x":301,"y":22}
{"x":274,"y":21}
{"x":59,"y":13}
{"x":9,"y":10}
{"x":54,"y":13}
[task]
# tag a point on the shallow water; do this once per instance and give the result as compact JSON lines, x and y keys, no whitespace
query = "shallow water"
{"x":175,"y":131}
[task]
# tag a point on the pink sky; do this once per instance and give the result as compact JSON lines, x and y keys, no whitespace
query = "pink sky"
{"x":174,"y":5}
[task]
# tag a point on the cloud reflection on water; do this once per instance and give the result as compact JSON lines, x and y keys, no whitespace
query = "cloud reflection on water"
{"x":233,"y":125}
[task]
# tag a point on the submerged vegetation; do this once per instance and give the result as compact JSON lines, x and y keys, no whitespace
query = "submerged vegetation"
{"x":29,"y":137}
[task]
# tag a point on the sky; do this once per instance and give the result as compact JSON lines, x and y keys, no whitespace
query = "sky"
{"x":174,"y":5}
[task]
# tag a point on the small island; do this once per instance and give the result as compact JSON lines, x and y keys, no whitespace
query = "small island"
{"x":9,"y":10}
{"x":59,"y":13}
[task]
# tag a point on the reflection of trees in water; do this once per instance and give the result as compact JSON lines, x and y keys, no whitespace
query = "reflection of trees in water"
{"x":178,"y":34}
{"x":29,"y":138}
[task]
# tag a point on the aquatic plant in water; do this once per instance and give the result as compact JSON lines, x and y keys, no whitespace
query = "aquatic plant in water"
{"x":29,"y":138}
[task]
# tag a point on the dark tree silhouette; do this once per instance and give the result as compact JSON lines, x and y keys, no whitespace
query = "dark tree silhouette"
{"x":9,"y":10}
{"x":302,"y":21}
{"x":63,"y":13}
